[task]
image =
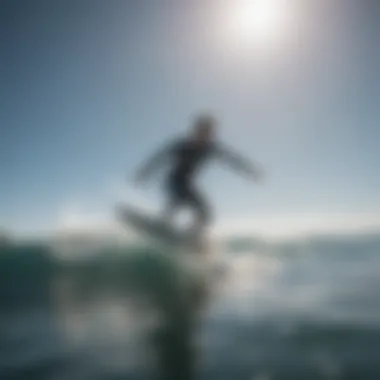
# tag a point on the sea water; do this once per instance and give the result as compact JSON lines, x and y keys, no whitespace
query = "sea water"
{"x":304,"y":309}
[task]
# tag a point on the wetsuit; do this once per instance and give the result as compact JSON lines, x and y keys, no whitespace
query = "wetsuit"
{"x":187,"y":157}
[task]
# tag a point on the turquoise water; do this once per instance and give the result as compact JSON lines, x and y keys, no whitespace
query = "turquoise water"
{"x":299,"y":310}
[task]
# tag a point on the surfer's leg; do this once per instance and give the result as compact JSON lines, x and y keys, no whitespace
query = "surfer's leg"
{"x":175,"y":196}
{"x":202,"y":211}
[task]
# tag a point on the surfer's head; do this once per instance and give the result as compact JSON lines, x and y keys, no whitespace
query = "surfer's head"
{"x":204,"y":128}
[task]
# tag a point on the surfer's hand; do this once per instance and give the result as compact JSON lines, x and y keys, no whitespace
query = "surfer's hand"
{"x":258,"y":175}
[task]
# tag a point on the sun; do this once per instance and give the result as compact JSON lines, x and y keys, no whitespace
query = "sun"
{"x":258,"y":20}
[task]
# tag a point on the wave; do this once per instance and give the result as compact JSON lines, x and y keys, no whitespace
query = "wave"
{"x":275,"y":310}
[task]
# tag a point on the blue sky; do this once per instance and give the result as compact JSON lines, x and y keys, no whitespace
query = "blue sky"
{"x":89,"y":88}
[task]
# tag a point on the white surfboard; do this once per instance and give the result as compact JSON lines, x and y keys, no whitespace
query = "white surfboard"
{"x":151,"y":226}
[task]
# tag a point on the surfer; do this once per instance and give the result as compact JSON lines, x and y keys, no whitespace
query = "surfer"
{"x":186,"y":156}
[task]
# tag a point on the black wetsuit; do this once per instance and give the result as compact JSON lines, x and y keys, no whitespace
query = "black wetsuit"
{"x":187,"y":157}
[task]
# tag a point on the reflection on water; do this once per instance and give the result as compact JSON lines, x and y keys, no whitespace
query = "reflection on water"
{"x":284,"y":312}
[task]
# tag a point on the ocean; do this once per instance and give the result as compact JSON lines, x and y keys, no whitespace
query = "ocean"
{"x":300,"y":309}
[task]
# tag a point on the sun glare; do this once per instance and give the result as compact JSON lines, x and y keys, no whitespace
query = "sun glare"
{"x":258,"y":20}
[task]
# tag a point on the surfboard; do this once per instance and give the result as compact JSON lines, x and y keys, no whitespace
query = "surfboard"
{"x":151,"y":226}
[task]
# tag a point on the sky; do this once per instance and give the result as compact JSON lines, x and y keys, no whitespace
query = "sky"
{"x":89,"y":88}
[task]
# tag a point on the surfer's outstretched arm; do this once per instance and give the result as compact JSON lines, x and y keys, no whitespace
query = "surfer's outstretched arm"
{"x":154,"y":162}
{"x":239,"y":163}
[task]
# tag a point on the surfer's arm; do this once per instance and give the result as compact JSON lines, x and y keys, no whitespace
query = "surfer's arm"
{"x":154,"y":162}
{"x":239,"y":163}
